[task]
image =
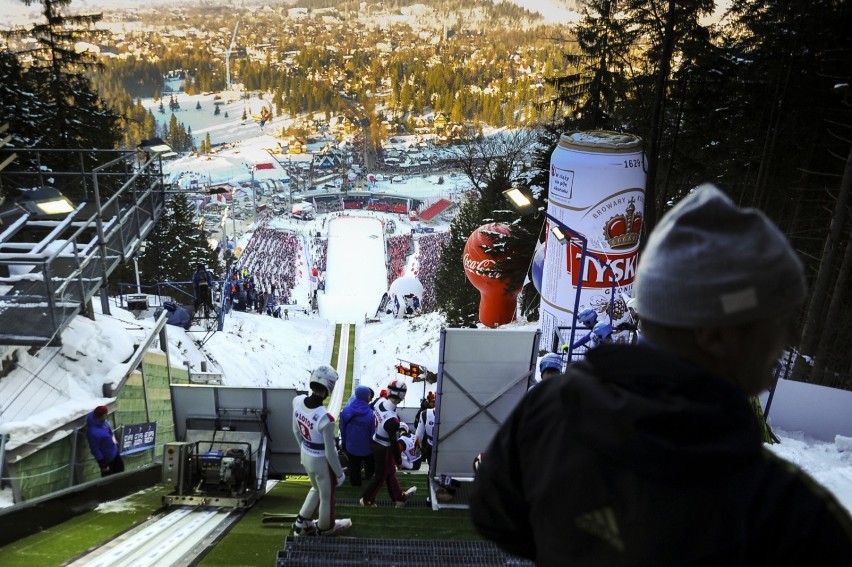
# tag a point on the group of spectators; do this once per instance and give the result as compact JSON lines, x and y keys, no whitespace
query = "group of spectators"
{"x":428,"y":260}
{"x":272,"y":259}
{"x":398,"y":249}
{"x":319,"y":252}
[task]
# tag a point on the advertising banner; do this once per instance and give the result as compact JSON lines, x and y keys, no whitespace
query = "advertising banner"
{"x":138,"y":437}
{"x":597,"y":189}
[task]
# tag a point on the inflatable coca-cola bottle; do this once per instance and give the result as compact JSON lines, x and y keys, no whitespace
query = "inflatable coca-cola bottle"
{"x":497,"y":302}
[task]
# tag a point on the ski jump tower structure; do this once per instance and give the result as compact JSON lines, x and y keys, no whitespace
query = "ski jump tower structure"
{"x":228,"y":57}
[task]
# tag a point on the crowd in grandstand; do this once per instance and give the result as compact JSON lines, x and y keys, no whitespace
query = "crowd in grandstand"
{"x":398,"y":249}
{"x":266,"y":271}
{"x":319,"y":253}
{"x":271,"y":258}
{"x":428,"y":259}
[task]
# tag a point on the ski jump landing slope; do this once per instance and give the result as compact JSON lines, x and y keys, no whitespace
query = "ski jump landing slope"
{"x":356,"y":276}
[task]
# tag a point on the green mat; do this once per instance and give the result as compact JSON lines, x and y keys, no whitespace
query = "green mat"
{"x":63,"y":542}
{"x":250,"y":542}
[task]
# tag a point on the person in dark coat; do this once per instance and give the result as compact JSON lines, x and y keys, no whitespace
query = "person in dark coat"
{"x":357,"y":426}
{"x":202,"y":286}
{"x":659,"y":460}
{"x":102,"y":443}
{"x":176,"y":315}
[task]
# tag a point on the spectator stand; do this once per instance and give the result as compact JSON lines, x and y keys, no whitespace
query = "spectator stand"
{"x":428,"y":258}
{"x":397,"y":250}
{"x":273,"y":259}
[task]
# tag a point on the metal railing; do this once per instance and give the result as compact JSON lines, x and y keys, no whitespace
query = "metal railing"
{"x":51,"y":269}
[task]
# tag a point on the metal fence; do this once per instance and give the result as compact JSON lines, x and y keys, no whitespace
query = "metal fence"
{"x":50,"y":268}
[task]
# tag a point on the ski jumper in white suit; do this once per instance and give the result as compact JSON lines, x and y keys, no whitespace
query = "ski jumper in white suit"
{"x":385,"y":453}
{"x":313,"y":427}
{"x":408,"y":452}
{"x":424,"y":432}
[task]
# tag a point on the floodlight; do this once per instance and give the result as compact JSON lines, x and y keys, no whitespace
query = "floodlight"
{"x":558,"y":234}
{"x":44,"y":202}
{"x":521,"y":200}
{"x":155,"y":145}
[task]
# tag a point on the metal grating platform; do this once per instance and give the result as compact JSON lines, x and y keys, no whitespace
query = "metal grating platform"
{"x":343,"y":551}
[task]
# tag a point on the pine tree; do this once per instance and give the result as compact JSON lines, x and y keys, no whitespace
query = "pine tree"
{"x":13,"y":107}
{"x":156,"y":262}
{"x":455,"y":296}
{"x":188,"y":243}
{"x":54,"y":104}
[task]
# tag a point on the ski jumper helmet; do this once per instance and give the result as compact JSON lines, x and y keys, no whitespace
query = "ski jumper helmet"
{"x":588,"y":317}
{"x":325,"y":376}
{"x":403,"y":427}
{"x":397,"y":388}
{"x":550,"y":361}
{"x":602,"y":330}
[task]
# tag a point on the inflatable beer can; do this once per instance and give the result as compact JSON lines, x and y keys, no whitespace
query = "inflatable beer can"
{"x":597,"y":189}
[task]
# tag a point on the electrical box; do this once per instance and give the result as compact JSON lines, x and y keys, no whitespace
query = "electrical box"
{"x":176,"y":464}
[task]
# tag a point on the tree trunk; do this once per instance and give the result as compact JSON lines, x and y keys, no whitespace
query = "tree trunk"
{"x":832,"y":316}
{"x":651,"y":213}
{"x":814,"y":320}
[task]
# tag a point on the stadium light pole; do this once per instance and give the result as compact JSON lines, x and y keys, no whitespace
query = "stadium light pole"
{"x":254,"y":192}
{"x":139,"y":252}
{"x":522,"y":200}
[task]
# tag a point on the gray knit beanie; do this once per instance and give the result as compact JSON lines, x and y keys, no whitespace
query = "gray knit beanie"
{"x":711,"y":263}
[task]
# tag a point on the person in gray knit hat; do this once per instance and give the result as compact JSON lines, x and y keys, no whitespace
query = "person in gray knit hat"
{"x":660,"y":461}
{"x":721,"y":285}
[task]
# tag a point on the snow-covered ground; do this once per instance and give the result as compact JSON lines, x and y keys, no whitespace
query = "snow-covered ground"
{"x":353,"y":291}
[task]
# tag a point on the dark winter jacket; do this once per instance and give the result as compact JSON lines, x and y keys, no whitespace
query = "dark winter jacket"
{"x":357,"y":424}
{"x":176,"y":315}
{"x":101,"y":441}
{"x":202,"y":277}
{"x":638,"y":457}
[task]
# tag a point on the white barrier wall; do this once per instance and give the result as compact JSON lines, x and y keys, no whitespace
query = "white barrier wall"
{"x":818,"y":411}
{"x":269,"y":410}
{"x":482,"y":375}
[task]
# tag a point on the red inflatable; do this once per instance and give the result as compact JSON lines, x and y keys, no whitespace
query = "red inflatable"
{"x":497,"y":303}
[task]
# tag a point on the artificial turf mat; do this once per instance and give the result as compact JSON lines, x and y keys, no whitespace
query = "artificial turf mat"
{"x":250,"y":542}
{"x":61,"y":543}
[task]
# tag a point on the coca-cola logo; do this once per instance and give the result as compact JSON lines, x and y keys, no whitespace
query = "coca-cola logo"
{"x":600,"y":269}
{"x":484,"y":267}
